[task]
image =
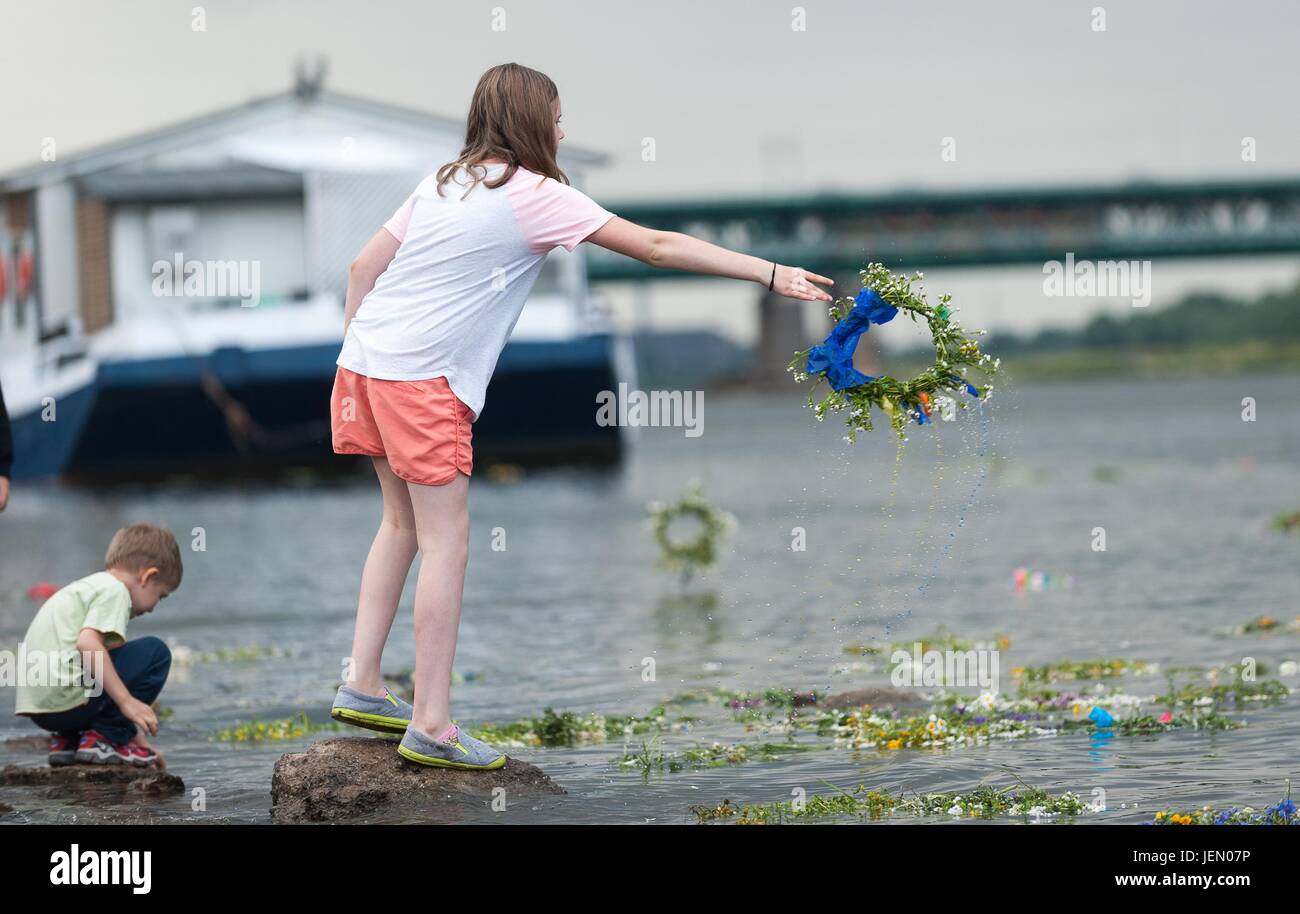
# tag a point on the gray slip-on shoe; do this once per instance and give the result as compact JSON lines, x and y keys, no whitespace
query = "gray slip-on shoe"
{"x":386,"y":713}
{"x":459,"y":751}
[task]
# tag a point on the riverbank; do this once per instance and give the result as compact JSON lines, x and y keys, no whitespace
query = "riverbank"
{"x":1208,"y":360}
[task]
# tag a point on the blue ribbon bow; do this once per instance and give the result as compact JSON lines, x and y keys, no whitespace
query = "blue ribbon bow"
{"x":835,"y":356}
{"x":970,"y":388}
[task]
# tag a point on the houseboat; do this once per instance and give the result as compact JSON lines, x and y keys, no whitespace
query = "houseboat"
{"x":171,"y":304}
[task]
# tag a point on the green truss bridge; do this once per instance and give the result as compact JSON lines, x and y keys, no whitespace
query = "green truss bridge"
{"x":837,"y":233}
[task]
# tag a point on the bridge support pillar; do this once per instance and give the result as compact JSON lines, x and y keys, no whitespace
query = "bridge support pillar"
{"x":783,"y":331}
{"x":781,"y":334}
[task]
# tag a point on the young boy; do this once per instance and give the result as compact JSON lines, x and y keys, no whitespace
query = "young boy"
{"x":98,"y":718}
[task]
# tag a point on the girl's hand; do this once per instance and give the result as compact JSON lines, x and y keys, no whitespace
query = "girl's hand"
{"x":796,"y":282}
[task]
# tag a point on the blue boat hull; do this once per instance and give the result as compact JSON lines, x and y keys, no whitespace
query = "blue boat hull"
{"x":242,"y":413}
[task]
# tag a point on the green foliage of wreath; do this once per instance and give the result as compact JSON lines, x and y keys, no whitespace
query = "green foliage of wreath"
{"x":700,"y":552}
{"x":902,"y":401}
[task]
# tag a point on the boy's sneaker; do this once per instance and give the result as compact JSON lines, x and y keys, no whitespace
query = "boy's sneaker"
{"x":386,"y":713}
{"x":140,"y":756}
{"x":63,"y":750}
{"x":453,"y":749}
{"x":95,"y":750}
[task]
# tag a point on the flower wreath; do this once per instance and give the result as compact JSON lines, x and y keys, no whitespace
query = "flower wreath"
{"x":700,"y":552}
{"x":883,"y":295}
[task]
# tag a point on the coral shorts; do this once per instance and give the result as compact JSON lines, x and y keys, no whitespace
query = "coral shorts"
{"x":420,"y":426}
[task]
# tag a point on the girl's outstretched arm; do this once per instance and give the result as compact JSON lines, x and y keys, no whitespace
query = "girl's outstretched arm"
{"x":676,"y":251}
{"x":366,"y":269}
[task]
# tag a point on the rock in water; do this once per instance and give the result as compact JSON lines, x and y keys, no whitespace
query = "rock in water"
{"x":147,"y":781}
{"x":349,"y":777}
{"x":873,"y":697}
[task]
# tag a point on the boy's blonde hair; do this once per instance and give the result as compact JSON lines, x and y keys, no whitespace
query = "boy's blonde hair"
{"x":141,"y":546}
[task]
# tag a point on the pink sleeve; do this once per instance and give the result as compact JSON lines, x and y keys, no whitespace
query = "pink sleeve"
{"x":401,"y":219}
{"x":552,"y":213}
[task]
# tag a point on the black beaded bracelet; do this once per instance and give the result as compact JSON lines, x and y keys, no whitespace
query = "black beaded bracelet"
{"x":771,"y":283}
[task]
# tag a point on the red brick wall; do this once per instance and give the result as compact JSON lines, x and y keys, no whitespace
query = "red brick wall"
{"x":93,"y":264}
{"x":18,"y":211}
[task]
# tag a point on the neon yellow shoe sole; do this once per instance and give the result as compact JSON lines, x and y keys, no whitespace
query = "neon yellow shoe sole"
{"x":370,"y":721}
{"x":432,"y":762}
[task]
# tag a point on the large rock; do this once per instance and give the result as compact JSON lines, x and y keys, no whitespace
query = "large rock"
{"x":144,"y":781}
{"x":352,"y":777}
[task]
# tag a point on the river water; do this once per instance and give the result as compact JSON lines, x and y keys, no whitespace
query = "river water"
{"x":574,"y":612}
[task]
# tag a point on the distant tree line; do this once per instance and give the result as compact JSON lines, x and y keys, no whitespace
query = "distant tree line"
{"x":1199,"y":318}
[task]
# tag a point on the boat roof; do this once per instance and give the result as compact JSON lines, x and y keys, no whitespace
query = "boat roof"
{"x":267,"y":144}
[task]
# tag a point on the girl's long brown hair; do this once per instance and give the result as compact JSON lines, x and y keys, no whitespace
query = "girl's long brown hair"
{"x":511,"y":119}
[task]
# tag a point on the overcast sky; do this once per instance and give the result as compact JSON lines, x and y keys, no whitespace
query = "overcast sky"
{"x":736,"y":100}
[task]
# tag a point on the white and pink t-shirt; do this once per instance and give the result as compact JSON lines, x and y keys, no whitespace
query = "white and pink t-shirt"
{"x":447,"y":303}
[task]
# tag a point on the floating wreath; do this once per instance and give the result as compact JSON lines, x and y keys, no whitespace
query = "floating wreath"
{"x":689,"y":555}
{"x":1287,"y":522}
{"x":883,"y":295}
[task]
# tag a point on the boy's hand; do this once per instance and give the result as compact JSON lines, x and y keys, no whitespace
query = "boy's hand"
{"x":143,"y":716}
{"x":159,"y":759}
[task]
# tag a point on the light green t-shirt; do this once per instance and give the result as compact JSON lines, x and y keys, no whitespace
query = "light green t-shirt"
{"x":51,"y":676}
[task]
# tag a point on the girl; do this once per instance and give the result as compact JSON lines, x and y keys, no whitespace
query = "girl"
{"x":431,"y":301}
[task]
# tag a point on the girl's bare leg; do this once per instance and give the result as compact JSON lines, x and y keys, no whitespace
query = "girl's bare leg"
{"x":442,"y":531}
{"x":382,"y":581}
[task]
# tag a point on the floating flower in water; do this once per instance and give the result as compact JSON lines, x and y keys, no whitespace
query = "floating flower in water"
{"x":1083,"y":669}
{"x":1023,"y":579}
{"x":1263,"y":625}
{"x":984,"y":802}
{"x":567,"y":728}
{"x":42,"y":590}
{"x":652,"y":758}
{"x":1287,"y":522}
{"x":1282,"y":813}
{"x":256,"y":731}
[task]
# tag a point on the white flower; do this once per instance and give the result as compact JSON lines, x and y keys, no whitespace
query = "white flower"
{"x":955,"y":809}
